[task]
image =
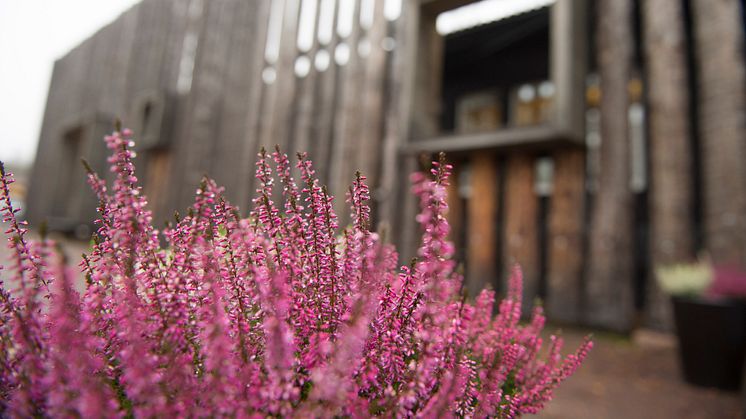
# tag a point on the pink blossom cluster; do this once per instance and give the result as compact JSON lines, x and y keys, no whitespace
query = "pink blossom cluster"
{"x":278,"y":314}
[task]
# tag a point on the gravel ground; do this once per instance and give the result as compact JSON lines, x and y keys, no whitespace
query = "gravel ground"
{"x":636,"y":378}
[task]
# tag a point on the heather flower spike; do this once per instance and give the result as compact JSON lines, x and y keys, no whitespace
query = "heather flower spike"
{"x":282,"y":313}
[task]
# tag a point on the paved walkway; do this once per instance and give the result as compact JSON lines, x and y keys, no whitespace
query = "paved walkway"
{"x":636,"y":378}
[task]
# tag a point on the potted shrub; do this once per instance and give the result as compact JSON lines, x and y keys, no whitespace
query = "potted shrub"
{"x":710,"y":318}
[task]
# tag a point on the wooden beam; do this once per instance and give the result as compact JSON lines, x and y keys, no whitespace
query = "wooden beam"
{"x":522,"y":136}
{"x":671,"y":183}
{"x":435,"y":7}
{"x":609,"y":285}
{"x":426,"y":103}
{"x":722,"y":100}
{"x":568,"y":66}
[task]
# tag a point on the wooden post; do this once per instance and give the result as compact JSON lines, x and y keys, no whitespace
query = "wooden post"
{"x":671,"y":186}
{"x":566,"y":224}
{"x":722,"y":100}
{"x":568,"y":65}
{"x":521,"y":234}
{"x":481,"y":219}
{"x":427,"y":77}
{"x":609,"y":281}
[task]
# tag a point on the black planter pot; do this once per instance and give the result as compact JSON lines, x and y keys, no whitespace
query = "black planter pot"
{"x":712,"y":340}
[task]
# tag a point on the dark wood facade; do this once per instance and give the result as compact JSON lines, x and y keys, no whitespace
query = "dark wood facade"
{"x":552,"y":166}
{"x":205,"y":84}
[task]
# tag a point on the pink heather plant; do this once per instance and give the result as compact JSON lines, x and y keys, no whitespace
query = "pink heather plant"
{"x":279,"y":314}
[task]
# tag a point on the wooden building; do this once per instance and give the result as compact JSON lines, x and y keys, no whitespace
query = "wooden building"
{"x":592,"y":140}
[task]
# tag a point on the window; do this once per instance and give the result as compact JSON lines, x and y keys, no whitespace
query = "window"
{"x":494,"y":73}
{"x":150,"y":120}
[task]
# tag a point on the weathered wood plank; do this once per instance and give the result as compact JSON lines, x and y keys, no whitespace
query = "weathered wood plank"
{"x":565,"y":237}
{"x":326,"y":98}
{"x":347,"y":121}
{"x":254,"y":103}
{"x":276,"y":109}
{"x":193,"y":21}
{"x":370,"y":151}
{"x":75,"y":96}
{"x":204,"y":104}
{"x":428,"y":70}
{"x":399,"y":206}
{"x":520,"y":240}
{"x":305,"y":112}
{"x":231,"y":144}
{"x":482,"y":218}
{"x":394,"y":125}
{"x":118,"y":96}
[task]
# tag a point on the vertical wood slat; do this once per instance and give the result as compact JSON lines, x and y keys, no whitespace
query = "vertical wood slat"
{"x":203,"y":106}
{"x":281,"y":129}
{"x":565,"y":237}
{"x":146,"y":60}
{"x":371,"y":128}
{"x":73,"y":172}
{"x":189,"y":27}
{"x":276,"y":107}
{"x":147,"y":52}
{"x":163,"y":162}
{"x":346,"y":138}
{"x":390,"y":210}
{"x":75,"y":98}
{"x":520,"y":240}
{"x":209,"y":87}
{"x":482,"y":218}
{"x":400,"y":205}
{"x":305,"y":93}
{"x":254,"y":103}
{"x":325,"y":103}
{"x":82,"y":200}
{"x":174,"y":39}
{"x":116,"y":95}
{"x":232,"y":143}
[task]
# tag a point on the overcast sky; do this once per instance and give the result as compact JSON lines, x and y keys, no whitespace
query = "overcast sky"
{"x":33,"y":33}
